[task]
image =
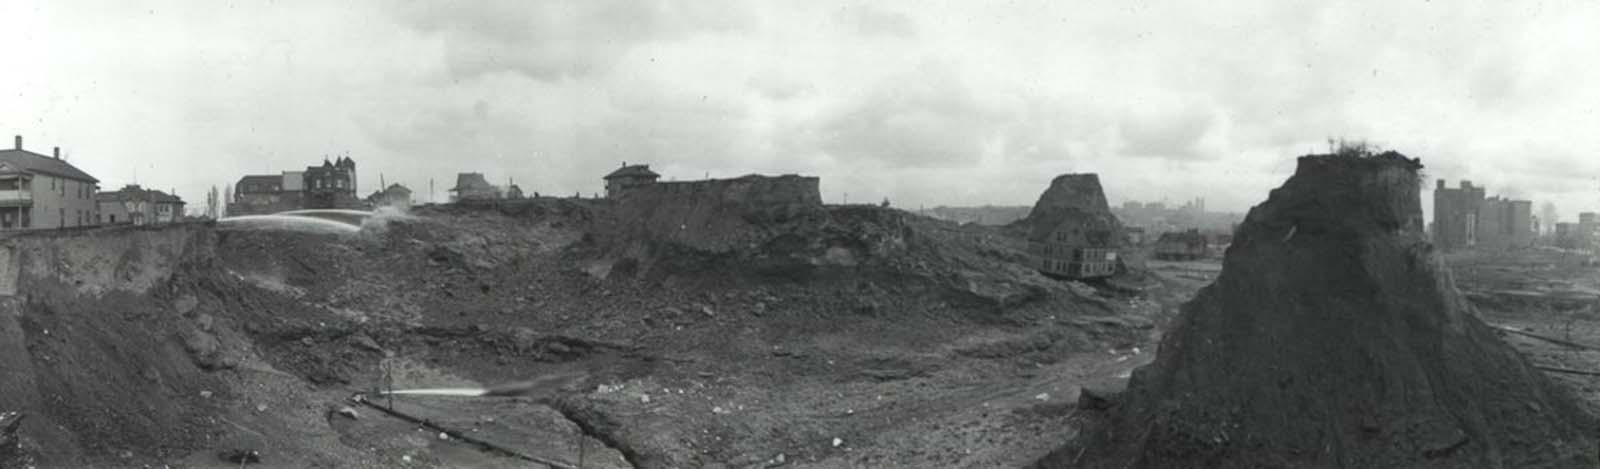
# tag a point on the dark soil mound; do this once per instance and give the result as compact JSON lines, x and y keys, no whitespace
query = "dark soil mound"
{"x":1335,"y":337}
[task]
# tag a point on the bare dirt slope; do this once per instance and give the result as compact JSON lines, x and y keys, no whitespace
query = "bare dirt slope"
{"x":840,"y":336}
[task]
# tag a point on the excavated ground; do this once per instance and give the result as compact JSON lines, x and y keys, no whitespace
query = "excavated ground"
{"x":1549,"y":294}
{"x":870,"y":338}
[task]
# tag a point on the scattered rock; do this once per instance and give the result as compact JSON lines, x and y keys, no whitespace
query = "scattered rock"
{"x":348,"y":412}
{"x":837,"y":442}
{"x":9,"y":423}
{"x":365,"y":342}
{"x":205,"y":394}
{"x":240,"y":456}
{"x":1095,"y":400}
{"x":185,"y":304}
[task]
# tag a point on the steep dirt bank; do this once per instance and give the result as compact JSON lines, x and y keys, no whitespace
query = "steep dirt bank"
{"x":1335,"y":337}
{"x":133,"y":346}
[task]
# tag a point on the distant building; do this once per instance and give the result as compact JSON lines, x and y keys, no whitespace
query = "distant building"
{"x":138,"y":206}
{"x":472,"y":186}
{"x":627,"y":178}
{"x":1463,"y":218}
{"x":1181,"y":246}
{"x":1568,"y":236}
{"x":261,"y":194}
{"x":1587,"y":231}
{"x":42,"y":192}
{"x":395,"y":195}
{"x":331,"y":185}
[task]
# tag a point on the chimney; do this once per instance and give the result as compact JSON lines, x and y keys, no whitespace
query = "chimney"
{"x":1439,"y":184}
{"x":19,"y":142}
{"x":57,"y":152}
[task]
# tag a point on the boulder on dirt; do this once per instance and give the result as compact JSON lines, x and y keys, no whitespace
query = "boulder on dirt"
{"x":1335,"y":337}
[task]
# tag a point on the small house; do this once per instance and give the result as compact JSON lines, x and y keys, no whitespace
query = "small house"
{"x":1181,"y":245}
{"x":628,"y":177}
{"x":1075,"y":245}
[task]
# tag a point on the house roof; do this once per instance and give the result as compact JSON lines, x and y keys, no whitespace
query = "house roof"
{"x":27,"y":161}
{"x":395,"y":190}
{"x":471,"y":182}
{"x":133,"y":192}
{"x":1046,"y":224}
{"x":638,"y":170}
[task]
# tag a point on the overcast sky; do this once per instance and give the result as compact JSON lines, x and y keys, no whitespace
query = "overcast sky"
{"x":925,"y":103}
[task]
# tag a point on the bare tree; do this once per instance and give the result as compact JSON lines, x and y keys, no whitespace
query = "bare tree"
{"x":227,"y":197}
{"x":212,"y":199}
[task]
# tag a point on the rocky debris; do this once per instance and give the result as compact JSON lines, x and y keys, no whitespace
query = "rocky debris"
{"x":1335,"y":337}
{"x":240,"y":456}
{"x":10,"y":443}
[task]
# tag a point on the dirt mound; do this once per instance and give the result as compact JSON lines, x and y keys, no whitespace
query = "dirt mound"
{"x":1335,"y":337}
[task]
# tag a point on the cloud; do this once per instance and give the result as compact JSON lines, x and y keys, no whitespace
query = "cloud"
{"x":1175,"y":135}
{"x":927,"y":118}
{"x":949,"y":103}
{"x":867,"y":20}
{"x":553,"y":40}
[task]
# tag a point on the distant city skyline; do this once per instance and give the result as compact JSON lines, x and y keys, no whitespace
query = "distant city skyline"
{"x":923,"y":104}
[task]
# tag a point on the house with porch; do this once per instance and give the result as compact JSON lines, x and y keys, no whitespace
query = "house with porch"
{"x":44,"y":192}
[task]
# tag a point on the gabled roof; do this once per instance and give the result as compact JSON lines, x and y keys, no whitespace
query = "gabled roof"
{"x":638,"y":170}
{"x":133,"y":192}
{"x":30,"y":162}
{"x":1095,"y":229}
{"x":471,"y":182}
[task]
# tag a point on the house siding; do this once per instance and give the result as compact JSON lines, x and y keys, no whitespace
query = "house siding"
{"x":62,"y":203}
